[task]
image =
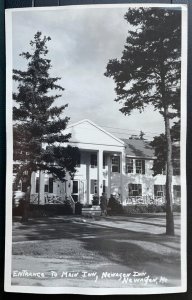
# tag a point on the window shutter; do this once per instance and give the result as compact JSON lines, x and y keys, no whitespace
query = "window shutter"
{"x":92,"y":186}
{"x":143,"y":166}
{"x":50,"y":185}
{"x":140,"y":189}
{"x":130,"y":189}
{"x":155,"y":190}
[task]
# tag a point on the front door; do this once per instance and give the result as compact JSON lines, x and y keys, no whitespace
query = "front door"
{"x":79,"y":190}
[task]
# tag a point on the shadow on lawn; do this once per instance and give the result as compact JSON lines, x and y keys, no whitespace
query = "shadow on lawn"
{"x":122,"y":246}
{"x":148,"y":223}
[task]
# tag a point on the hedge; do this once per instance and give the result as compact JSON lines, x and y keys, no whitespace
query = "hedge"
{"x":150,"y":208}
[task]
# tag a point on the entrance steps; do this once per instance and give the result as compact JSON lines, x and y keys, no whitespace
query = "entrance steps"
{"x":95,"y":210}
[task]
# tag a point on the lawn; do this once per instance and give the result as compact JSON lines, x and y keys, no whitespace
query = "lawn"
{"x":113,"y":244}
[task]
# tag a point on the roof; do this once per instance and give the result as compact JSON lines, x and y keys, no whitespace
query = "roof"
{"x":99,"y":128}
{"x":138,"y":148}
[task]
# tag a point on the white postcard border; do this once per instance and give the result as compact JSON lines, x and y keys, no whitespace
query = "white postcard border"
{"x":9,"y":164}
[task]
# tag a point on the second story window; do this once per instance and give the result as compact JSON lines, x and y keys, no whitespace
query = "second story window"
{"x":115,"y":164}
{"x":93,"y":160}
{"x":140,"y":166}
{"x":129,"y":165}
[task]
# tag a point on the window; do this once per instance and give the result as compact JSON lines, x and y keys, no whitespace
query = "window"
{"x":135,"y":189}
{"x":140,"y":166}
{"x":115,"y":164}
{"x":176,"y":167}
{"x":129,"y":165}
{"x":93,"y":186}
{"x":93,"y":160}
{"x":176,"y":191}
{"x":159,"y":190}
{"x":75,"y":187}
{"x":48,"y":187}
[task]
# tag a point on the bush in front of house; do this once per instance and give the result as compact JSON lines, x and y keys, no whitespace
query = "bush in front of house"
{"x":176,"y":208}
{"x":114,"y":207}
{"x":78,"y":208}
{"x":95,"y":200}
{"x":150,"y":208}
{"x":49,"y":210}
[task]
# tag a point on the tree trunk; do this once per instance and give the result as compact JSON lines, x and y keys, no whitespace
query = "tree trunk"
{"x":26,"y":202}
{"x":169,"y":173}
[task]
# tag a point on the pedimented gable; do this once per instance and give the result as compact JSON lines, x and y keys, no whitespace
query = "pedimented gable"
{"x":86,"y":132}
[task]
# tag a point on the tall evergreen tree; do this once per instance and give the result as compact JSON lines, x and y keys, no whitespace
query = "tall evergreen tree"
{"x":148,"y":73}
{"x":39,"y":143}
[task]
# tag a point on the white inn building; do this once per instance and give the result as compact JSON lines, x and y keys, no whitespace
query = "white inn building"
{"x":106,"y":164}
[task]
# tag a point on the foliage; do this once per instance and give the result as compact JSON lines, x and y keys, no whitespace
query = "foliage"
{"x":151,"y":208}
{"x":150,"y":64}
{"x":38,"y":123}
{"x":149,"y":73}
{"x":95,"y":200}
{"x":78,"y":208}
{"x":114,"y":206}
{"x":159,"y":145}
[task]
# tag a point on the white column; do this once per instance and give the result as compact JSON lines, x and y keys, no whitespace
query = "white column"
{"x":109,"y":175}
{"x":123,"y":176}
{"x":88,"y":182}
{"x":41,"y":187}
{"x":100,"y":172}
{"x":33,"y":183}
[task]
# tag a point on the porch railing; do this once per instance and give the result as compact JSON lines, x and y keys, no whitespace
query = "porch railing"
{"x":53,"y":199}
{"x":146,"y":200}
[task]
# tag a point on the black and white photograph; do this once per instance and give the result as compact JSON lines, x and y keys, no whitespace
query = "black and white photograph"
{"x":96,"y":149}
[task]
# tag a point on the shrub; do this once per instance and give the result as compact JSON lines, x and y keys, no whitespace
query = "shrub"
{"x":78,"y":208}
{"x":115,"y":207}
{"x":50,"y":210}
{"x":95,"y":200}
{"x":176,"y":208}
{"x":150,"y":208}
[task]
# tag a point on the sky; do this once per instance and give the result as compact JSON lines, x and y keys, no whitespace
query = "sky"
{"x":82,"y":42}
